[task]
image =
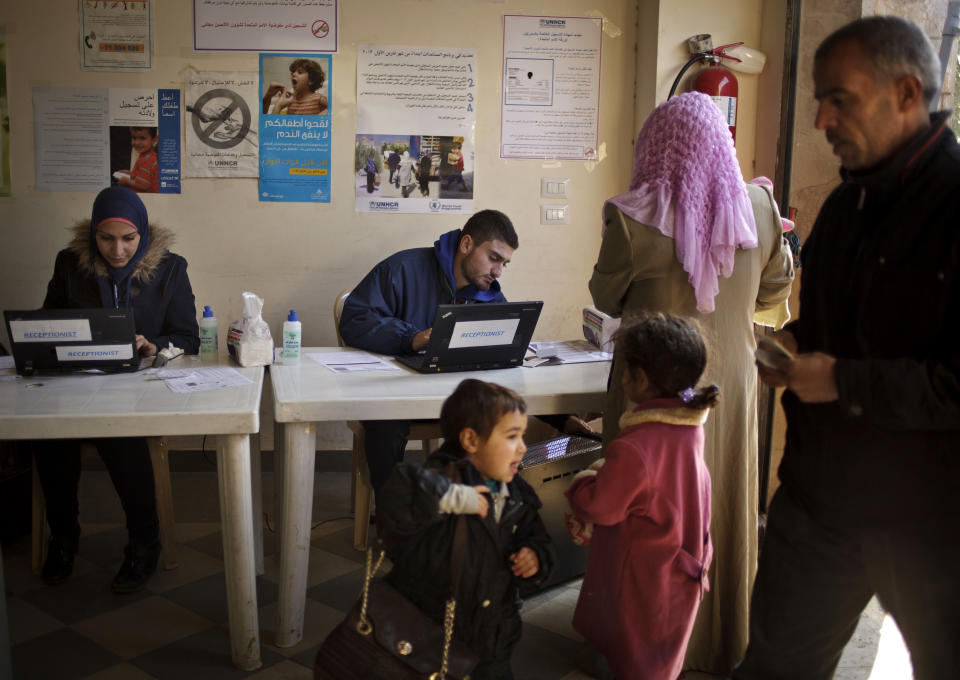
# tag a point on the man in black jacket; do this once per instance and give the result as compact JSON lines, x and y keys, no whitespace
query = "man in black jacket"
{"x":871,"y":470}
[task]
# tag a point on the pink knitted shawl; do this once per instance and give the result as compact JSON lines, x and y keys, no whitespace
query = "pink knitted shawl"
{"x":687,"y":184}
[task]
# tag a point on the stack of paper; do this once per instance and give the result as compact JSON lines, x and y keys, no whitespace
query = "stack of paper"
{"x":200,"y":379}
{"x":564,"y":352}
{"x":346,"y":362}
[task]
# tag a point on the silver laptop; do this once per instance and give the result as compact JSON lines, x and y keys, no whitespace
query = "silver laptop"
{"x":477,"y":336}
{"x":71,"y":339}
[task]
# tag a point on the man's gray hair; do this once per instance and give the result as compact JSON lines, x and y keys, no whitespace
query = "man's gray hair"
{"x":896,"y":47}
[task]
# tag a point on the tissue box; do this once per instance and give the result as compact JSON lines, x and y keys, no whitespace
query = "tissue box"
{"x":248,"y":339}
{"x":598,"y":328}
{"x":246,"y":348}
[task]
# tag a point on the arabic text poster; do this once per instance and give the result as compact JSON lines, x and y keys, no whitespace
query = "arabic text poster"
{"x":145,"y":140}
{"x":86,"y":139}
{"x":414,"y":148}
{"x":295,"y":134}
{"x":222,"y":117}
{"x":551,"y":87}
{"x":115,"y":35}
{"x":265,"y":25}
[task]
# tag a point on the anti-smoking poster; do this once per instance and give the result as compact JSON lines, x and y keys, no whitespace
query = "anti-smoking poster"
{"x":221,"y":120}
{"x":295,"y":135}
{"x":89,"y":138}
{"x":415,"y":142}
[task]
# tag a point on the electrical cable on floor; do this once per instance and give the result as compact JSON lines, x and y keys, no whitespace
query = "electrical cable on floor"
{"x":203,"y":450}
{"x":269,"y":526}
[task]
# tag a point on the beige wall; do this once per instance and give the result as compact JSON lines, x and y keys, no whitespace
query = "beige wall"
{"x":662,"y":35}
{"x":301,"y":255}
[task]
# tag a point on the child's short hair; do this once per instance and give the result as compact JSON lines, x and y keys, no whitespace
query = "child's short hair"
{"x":672,"y":354}
{"x":151,"y":130}
{"x":477,"y":405}
{"x":313,"y":70}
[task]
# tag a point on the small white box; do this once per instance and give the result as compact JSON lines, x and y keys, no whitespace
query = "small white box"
{"x":599,"y":328}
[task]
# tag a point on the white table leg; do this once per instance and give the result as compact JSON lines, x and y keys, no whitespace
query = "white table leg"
{"x":236,"y":512}
{"x":256,"y":475}
{"x":299,"y":452}
{"x":278,"y":448}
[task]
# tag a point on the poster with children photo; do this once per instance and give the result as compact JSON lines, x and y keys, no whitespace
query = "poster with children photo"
{"x":144,"y":133}
{"x":133,"y":158}
{"x":294,"y":133}
{"x":295,"y":85}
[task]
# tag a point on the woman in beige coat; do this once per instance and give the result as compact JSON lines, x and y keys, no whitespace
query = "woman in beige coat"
{"x":690,"y":238}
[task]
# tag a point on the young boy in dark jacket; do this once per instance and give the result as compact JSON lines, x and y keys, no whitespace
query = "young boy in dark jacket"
{"x":507,"y":546}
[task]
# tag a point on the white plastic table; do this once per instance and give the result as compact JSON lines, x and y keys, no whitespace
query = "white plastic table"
{"x":77,"y":405}
{"x":308,"y":392}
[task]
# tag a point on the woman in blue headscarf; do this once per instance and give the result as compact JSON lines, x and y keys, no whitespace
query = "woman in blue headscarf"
{"x":116,"y":259}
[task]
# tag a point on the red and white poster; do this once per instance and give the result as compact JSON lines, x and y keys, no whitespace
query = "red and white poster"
{"x":265,"y":25}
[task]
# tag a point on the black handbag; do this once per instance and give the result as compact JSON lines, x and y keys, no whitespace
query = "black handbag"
{"x":387,"y":637}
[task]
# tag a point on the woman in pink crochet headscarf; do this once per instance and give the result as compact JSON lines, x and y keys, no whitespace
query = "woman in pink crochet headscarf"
{"x":691,"y":238}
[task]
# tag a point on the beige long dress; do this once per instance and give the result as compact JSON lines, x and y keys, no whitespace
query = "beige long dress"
{"x":637,"y":270}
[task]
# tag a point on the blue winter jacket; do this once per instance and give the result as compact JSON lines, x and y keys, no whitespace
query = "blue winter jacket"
{"x":399,"y":297}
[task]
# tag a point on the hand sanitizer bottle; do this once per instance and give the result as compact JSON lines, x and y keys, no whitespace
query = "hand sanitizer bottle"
{"x":291,"y":339}
{"x":208,"y":334}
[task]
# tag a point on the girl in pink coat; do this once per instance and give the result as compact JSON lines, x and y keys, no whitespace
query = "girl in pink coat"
{"x":649,"y":503}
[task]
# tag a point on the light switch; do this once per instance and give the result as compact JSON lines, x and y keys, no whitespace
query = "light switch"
{"x":554,"y":213}
{"x":552,"y":187}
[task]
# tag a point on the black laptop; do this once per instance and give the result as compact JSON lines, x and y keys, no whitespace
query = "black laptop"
{"x":477,"y":337}
{"x":71,"y":339}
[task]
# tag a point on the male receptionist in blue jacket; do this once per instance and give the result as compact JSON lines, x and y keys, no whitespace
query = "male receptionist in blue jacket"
{"x":391,"y":310}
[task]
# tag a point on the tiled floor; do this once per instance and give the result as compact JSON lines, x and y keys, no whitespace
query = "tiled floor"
{"x":176,"y":629}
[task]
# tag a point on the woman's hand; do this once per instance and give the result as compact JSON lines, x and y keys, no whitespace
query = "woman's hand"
{"x":273,"y":89}
{"x":276,"y":92}
{"x":144,"y":347}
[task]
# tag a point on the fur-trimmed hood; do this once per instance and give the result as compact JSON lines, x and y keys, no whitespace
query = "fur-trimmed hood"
{"x":680,"y":415}
{"x":160,"y":241}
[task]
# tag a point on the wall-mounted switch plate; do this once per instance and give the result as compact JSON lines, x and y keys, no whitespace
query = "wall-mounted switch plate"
{"x":552,"y":213}
{"x":552,"y":187}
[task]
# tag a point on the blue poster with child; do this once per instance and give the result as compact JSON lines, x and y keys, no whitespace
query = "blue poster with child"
{"x":295,"y":134}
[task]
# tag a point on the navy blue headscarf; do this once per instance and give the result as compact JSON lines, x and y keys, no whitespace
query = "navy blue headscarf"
{"x":118,"y":203}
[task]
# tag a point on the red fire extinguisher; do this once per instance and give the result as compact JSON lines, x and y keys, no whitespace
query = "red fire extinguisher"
{"x":716,"y":80}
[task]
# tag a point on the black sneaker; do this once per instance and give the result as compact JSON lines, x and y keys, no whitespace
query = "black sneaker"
{"x":139,"y":561}
{"x":59,"y":563}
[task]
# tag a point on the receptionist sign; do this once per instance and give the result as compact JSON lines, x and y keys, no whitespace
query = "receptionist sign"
{"x":295,"y":134}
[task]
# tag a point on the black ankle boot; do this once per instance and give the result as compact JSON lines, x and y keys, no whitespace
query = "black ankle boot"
{"x":139,"y":561}
{"x":59,"y":563}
